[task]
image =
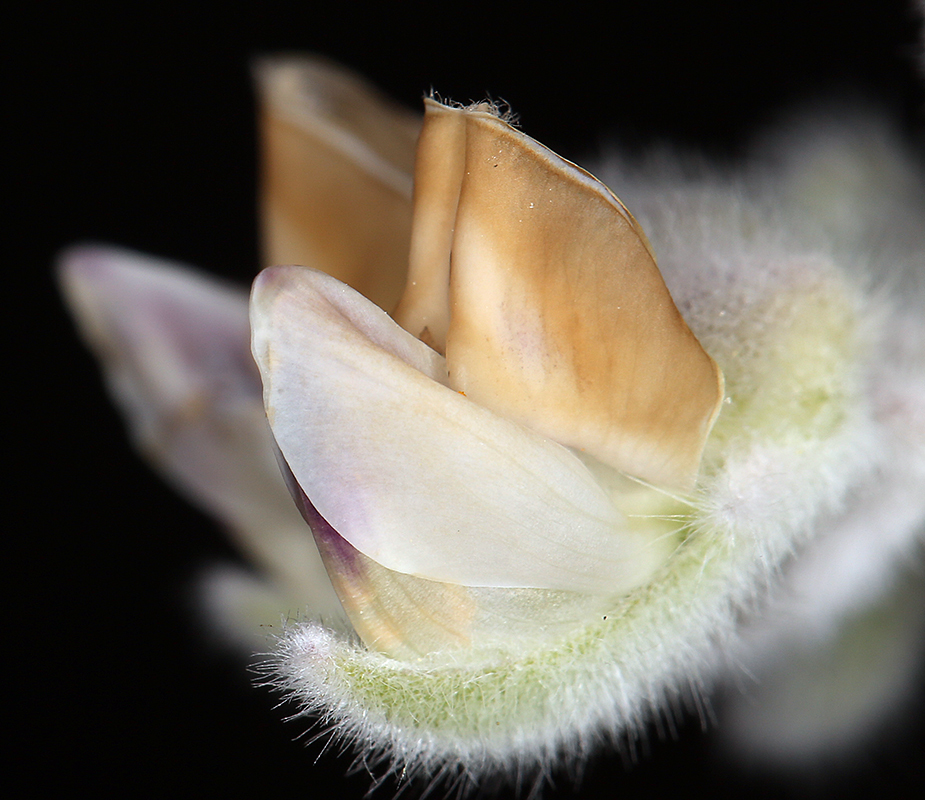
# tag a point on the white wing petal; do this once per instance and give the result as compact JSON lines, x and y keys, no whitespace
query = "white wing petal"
{"x":410,"y":472}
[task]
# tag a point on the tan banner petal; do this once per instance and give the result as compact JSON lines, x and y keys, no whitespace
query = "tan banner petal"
{"x":337,"y":163}
{"x":560,"y":318}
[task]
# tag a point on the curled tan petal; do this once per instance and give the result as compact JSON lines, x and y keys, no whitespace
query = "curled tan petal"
{"x":424,"y":310}
{"x":560,"y":317}
{"x":337,"y":164}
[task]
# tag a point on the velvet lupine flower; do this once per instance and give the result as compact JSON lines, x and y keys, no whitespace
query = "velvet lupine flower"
{"x":550,"y":476}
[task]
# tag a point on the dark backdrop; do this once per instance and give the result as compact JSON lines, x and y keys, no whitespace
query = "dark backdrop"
{"x":133,"y":125}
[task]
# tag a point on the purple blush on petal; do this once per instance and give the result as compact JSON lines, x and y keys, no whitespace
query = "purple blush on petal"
{"x":336,"y":552}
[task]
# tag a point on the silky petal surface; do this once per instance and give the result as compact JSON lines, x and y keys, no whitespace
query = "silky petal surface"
{"x":174,"y":345}
{"x":558,"y":316}
{"x":337,"y":164}
{"x":412,"y":473}
{"x":408,"y":617}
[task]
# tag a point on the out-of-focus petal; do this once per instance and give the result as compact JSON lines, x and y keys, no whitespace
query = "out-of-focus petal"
{"x":559,"y":316}
{"x":174,"y":346}
{"x":337,"y":171}
{"x":817,"y":694}
{"x":246,"y":610}
{"x":414,"y":475}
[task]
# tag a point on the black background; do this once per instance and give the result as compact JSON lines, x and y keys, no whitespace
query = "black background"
{"x":133,"y":125}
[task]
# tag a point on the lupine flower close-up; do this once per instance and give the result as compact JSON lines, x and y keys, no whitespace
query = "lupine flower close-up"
{"x":584,"y":457}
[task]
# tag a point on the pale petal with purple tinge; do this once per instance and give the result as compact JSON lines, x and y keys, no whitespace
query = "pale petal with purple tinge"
{"x":412,"y":473}
{"x":407,"y":617}
{"x":174,"y":345}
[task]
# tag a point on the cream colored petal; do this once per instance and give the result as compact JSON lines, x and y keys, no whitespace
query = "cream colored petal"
{"x":337,"y":162}
{"x":560,"y":318}
{"x":407,"y":617}
{"x":174,"y":346}
{"x":410,"y":472}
